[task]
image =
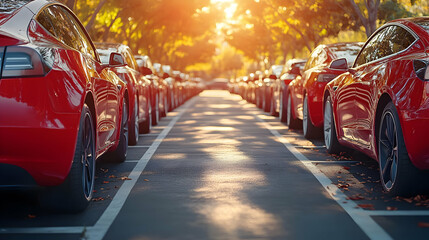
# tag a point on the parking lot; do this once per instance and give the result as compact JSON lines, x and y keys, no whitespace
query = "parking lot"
{"x":220,"y":168}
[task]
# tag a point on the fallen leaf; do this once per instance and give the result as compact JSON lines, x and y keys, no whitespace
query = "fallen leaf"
{"x":31,"y":216}
{"x":346,"y":168}
{"x":367,"y":206}
{"x":104,"y":170}
{"x":355,"y":197}
{"x":105,"y":181}
{"x":125,"y":178}
{"x":112,"y":176}
{"x":392,"y":208}
{"x":423,"y":224}
{"x":146,"y":180}
{"x":98,"y":199}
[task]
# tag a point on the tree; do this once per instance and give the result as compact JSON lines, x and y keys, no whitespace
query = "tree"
{"x":370,"y":21}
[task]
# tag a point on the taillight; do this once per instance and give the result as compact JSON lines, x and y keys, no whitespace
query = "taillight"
{"x":19,"y":61}
{"x":323,"y":77}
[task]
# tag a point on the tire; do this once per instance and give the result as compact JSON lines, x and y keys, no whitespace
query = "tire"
{"x":282,"y":109}
{"x":273,"y":107}
{"x":397,"y":174}
{"x":258,"y":98}
{"x":134,"y":126}
{"x":75,"y":193}
{"x":291,"y":122}
{"x":329,"y":130}
{"x":120,"y":153}
{"x":155,"y":112}
{"x":146,"y":125}
{"x":266,"y":102}
{"x":164,"y":111}
{"x":309,"y":130}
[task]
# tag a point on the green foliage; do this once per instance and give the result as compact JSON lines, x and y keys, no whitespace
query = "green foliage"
{"x":392,"y":9}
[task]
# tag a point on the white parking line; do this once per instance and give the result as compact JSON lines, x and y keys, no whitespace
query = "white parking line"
{"x":103,"y":224}
{"x":43,"y":230}
{"x":309,"y":147}
{"x":360,"y":216}
{"x":337,"y":162}
{"x":150,"y":134}
{"x":398,"y":213}
{"x":138,"y":146}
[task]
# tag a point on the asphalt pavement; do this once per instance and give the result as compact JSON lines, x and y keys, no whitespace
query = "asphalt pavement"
{"x":220,"y":168}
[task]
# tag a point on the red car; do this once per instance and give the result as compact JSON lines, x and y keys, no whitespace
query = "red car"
{"x":148,"y":70}
{"x":62,"y":108}
{"x":380,"y":105}
{"x":139,"y":89}
{"x":291,"y":70}
{"x":305,"y":93}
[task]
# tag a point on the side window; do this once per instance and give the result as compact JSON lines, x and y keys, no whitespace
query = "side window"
{"x":129,"y":59}
{"x":44,"y":18}
{"x":313,"y":59}
{"x":86,"y":45}
{"x":388,"y":41}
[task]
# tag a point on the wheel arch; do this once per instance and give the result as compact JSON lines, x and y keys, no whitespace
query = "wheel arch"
{"x":382,"y":102}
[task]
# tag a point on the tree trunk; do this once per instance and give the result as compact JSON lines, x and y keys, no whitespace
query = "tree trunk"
{"x":370,"y":22}
{"x":90,"y":24}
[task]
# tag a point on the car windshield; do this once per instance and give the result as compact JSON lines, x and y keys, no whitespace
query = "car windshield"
{"x":422,"y":22}
{"x":349,"y":51}
{"x":7,"y":6}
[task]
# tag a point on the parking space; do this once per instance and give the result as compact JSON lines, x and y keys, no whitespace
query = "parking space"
{"x":219,"y":168}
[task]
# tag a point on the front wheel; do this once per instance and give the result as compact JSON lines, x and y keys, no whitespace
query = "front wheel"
{"x":155,"y":112}
{"x":397,"y":174}
{"x":309,"y":130}
{"x":75,"y":193}
{"x":282,"y":108}
{"x":134,"y":125}
{"x":329,"y":131}
{"x":291,"y":122}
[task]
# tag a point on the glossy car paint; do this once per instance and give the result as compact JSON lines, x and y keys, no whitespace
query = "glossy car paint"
{"x":137,"y":85}
{"x":308,"y":84}
{"x":40,"y":119}
{"x":281,"y":85}
{"x":360,"y":95}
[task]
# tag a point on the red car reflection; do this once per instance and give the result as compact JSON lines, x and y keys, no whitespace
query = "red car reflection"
{"x":305,"y":97}
{"x":61,"y":108}
{"x":381,"y":105}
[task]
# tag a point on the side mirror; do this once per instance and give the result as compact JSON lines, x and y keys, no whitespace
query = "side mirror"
{"x":273,"y":77}
{"x":116,"y":60}
{"x":339,"y":64}
{"x":165,"y":75}
{"x":146,"y":71}
{"x":295,"y":70}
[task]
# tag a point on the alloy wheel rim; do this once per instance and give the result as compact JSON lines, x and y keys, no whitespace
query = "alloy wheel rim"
{"x":281,"y":106}
{"x":304,"y":116}
{"x":88,"y":157}
{"x":136,"y":119}
{"x":388,"y":151}
{"x":125,"y":126}
{"x":289,"y":110}
{"x":327,"y":122}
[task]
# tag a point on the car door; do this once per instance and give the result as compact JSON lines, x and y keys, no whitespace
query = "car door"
{"x":388,"y":43}
{"x":76,"y":36}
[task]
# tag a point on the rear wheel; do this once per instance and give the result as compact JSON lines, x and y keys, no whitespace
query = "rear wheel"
{"x":309,"y":130}
{"x":282,"y":108}
{"x":329,"y":131}
{"x":267,"y":101}
{"x":273,"y":106}
{"x":134,"y":124}
{"x":120,"y":153}
{"x":75,"y":193}
{"x":155,"y":112}
{"x":165,"y":104}
{"x":146,"y":125}
{"x":291,"y":121}
{"x":397,"y":174}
